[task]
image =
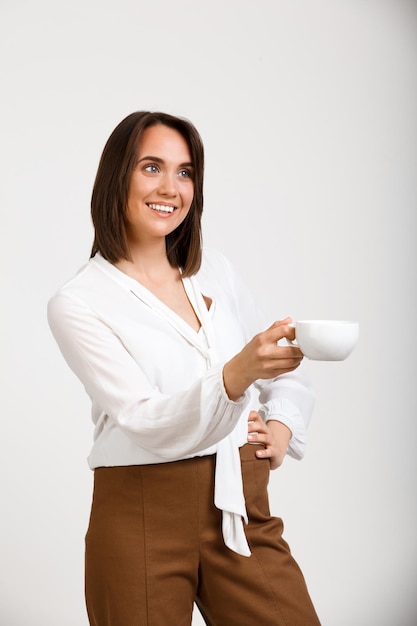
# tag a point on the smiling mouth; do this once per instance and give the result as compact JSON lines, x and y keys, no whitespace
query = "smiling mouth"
{"x":162,"y":208}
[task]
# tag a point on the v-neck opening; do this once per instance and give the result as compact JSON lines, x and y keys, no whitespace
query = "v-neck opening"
{"x":198,"y":302}
{"x":194,"y":295}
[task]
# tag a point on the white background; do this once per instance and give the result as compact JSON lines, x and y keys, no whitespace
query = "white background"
{"x":308,"y":113}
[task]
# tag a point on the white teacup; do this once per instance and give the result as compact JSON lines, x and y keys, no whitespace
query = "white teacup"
{"x":325,"y":340}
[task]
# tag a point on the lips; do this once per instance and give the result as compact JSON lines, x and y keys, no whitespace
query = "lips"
{"x":162,"y":208}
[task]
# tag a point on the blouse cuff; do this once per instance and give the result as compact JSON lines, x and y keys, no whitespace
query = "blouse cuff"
{"x":283,"y":410}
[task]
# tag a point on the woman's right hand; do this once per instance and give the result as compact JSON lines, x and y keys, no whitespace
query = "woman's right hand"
{"x":262,"y":358}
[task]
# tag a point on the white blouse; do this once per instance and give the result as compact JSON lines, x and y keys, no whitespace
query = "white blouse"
{"x":156,"y":385}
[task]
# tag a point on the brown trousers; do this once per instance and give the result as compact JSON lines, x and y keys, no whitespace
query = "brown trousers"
{"x":154,"y":547}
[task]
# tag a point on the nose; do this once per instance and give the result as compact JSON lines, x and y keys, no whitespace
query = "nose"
{"x":168,"y":185}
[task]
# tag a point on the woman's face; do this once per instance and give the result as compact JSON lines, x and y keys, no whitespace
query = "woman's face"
{"x":161,"y":188}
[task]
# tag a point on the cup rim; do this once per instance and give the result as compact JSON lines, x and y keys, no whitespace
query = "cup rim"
{"x":325,"y":322}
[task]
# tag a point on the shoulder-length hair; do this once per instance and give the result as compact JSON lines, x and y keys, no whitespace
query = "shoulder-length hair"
{"x":111,"y":188}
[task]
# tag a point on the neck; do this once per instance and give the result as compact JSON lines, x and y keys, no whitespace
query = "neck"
{"x":148,"y":264}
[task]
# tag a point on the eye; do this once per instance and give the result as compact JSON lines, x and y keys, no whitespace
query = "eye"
{"x":185,"y":173}
{"x":152,"y":168}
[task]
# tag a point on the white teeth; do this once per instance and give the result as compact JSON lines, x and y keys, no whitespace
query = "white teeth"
{"x":161,"y":207}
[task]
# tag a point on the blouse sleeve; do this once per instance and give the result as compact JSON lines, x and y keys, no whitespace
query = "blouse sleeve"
{"x":171,"y":426}
{"x":288,"y":398}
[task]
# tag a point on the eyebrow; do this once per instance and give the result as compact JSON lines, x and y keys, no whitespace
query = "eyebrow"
{"x":159,"y":160}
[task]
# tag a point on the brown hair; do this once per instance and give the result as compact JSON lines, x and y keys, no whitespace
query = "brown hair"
{"x":111,"y":188}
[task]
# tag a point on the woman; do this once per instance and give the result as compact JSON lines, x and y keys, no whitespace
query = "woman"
{"x":172,"y":352}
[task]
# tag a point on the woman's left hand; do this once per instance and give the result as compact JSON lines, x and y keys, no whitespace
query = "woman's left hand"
{"x":274,"y":435}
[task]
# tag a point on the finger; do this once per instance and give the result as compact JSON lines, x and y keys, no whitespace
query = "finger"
{"x":275,"y":461}
{"x":256,"y":434}
{"x":280,"y":366}
{"x":253,"y":416}
{"x":283,"y":322}
{"x":281,"y":329}
{"x":286,"y":352}
{"x":255,"y":422}
{"x":270,"y":348}
{"x":264,"y":453}
{"x":257,"y":437}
